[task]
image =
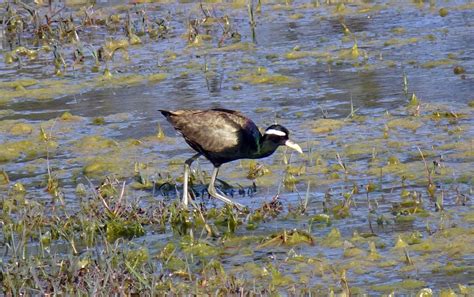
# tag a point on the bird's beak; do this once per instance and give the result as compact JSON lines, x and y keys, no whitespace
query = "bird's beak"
{"x":294,"y":146}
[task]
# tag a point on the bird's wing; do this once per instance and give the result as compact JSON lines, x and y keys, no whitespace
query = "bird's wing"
{"x":214,"y":131}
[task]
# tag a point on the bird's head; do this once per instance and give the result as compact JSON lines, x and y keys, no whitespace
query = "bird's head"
{"x":280,"y":136}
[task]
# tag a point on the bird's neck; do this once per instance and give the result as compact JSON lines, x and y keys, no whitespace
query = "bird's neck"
{"x":266,"y":147}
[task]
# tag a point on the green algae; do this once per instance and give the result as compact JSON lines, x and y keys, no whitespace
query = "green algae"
{"x":67,"y":116}
{"x":340,"y":8}
{"x":25,"y":149}
{"x":44,"y":90}
{"x":257,"y":170}
{"x":451,"y":269}
{"x":363,"y":148}
{"x":299,"y":54}
{"x":404,"y":123}
{"x":407,"y":207}
{"x":254,"y":269}
{"x":99,"y":167}
{"x":294,"y":55}
{"x":372,"y":8}
{"x":468,"y":217}
{"x":333,"y":239}
{"x":19,"y":84}
{"x":425,"y":292}
{"x":455,"y":243}
{"x":322,"y":126}
{"x":408,"y":284}
{"x":289,"y":238}
{"x":156,"y":77}
{"x":94,"y":143}
{"x":239,"y":46}
{"x":4,"y":178}
{"x":443,"y":12}
{"x":400,"y":244}
{"x":137,"y":257}
{"x":109,"y":81}
{"x":99,"y":121}
{"x":278,"y":279}
{"x":467,"y":290}
{"x":373,"y":255}
{"x":201,"y":249}
{"x":296,"y":16}
{"x":116,"y":229}
{"x":398,"y":30}
{"x":51,"y":89}
{"x":353,"y":252}
{"x":21,"y":129}
{"x":401,"y":42}
{"x":241,"y":241}
{"x":388,"y":264}
{"x":437,"y":63}
{"x":323,"y":219}
{"x":459,"y":70}
{"x":447,"y":293}
{"x":261,"y":76}
{"x":342,"y":210}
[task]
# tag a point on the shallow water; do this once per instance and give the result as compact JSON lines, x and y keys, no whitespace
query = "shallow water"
{"x":322,"y":76}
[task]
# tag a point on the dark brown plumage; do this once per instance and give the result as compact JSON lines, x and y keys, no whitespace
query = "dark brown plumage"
{"x":222,"y":136}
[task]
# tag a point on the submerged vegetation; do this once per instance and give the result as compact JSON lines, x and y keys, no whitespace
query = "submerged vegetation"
{"x":381,"y":202}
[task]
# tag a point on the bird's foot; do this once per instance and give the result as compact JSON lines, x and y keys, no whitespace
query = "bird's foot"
{"x":215,"y":194}
{"x":239,"y":207}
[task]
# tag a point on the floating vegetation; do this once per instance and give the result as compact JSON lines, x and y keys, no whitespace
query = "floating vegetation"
{"x":433,"y":64}
{"x":459,"y":70}
{"x":123,"y":229}
{"x":404,"y":285}
{"x":443,"y":12}
{"x":293,"y":237}
{"x":404,"y":123}
{"x":327,"y":125}
{"x":400,"y":42}
{"x":261,"y":76}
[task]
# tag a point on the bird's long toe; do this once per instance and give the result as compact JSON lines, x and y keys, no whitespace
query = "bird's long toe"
{"x":213,"y":192}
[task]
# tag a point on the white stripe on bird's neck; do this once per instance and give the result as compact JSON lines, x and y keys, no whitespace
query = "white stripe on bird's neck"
{"x":275,"y":132}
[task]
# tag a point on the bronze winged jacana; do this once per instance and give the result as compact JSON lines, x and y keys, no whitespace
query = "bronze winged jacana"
{"x":223,"y":135}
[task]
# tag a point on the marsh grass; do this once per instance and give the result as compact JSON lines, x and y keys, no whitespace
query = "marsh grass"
{"x":102,"y":246}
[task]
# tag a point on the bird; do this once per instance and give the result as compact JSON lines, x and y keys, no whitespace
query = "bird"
{"x":221,"y":136}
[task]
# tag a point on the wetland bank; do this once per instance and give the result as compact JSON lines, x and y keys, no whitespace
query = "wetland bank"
{"x":379,"y":94}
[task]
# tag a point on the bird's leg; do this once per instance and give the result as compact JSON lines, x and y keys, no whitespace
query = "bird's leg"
{"x":187,"y":167}
{"x":213,"y":192}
